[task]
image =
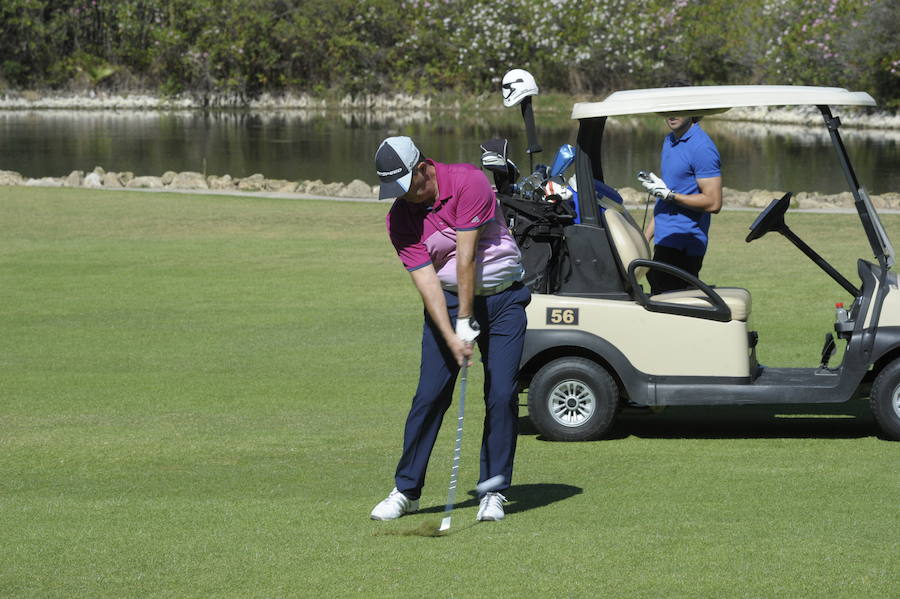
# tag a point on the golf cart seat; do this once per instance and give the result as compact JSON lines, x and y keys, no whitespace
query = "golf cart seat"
{"x":702,"y":301}
{"x":736,"y":298}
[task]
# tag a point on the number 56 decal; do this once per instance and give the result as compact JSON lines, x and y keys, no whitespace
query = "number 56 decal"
{"x":562,"y":316}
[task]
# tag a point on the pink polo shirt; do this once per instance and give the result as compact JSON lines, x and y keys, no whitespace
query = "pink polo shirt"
{"x":427,"y":235}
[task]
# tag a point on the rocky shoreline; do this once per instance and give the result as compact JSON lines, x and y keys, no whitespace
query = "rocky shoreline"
{"x":863,"y":118}
{"x":190,"y":181}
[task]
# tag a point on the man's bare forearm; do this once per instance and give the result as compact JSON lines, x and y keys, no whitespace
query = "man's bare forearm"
{"x":466,"y":244}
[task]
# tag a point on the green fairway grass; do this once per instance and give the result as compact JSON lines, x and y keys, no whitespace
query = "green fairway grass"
{"x":203,"y":396}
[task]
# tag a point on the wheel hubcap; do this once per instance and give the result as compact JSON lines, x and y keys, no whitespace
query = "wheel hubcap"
{"x":895,"y":401}
{"x":572,"y":403}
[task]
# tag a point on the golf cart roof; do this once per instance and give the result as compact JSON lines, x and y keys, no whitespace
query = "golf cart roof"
{"x":713,"y":99}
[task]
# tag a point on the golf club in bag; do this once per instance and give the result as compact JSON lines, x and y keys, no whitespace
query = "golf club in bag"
{"x":494,"y":158}
{"x":518,"y":86}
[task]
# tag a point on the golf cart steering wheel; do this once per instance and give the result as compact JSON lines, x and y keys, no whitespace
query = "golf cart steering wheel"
{"x":770,"y":219}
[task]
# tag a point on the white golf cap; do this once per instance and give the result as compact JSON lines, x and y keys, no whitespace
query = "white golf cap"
{"x":394,"y":162}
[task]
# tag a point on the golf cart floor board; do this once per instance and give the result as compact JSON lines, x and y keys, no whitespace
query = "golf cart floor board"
{"x":772,"y":386}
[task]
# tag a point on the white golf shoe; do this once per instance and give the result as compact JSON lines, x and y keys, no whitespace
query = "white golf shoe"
{"x":394,"y":505}
{"x":491,"y":507}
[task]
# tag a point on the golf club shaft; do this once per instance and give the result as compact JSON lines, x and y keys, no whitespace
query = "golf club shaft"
{"x":451,"y":492}
{"x":646,"y":209}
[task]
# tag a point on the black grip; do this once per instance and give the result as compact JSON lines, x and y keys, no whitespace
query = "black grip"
{"x":528,"y":116}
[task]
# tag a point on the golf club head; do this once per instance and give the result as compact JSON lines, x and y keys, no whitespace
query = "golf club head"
{"x":493,"y":161}
{"x":497,"y":145}
{"x":565,"y":156}
{"x":530,"y":186}
{"x":494,"y":158}
{"x":491,"y":484}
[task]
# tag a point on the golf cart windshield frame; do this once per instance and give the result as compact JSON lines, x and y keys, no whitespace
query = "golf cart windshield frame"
{"x":697,"y":101}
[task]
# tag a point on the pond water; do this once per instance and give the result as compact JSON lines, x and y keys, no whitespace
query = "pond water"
{"x":297,"y":145}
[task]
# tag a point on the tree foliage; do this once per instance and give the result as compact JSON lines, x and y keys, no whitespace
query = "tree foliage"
{"x":235,"y":50}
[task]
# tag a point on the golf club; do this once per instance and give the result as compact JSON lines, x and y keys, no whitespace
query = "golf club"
{"x":565,"y":156}
{"x":451,"y":491}
{"x":528,"y":116}
{"x":643,"y":176}
{"x":491,"y":484}
{"x":518,"y":86}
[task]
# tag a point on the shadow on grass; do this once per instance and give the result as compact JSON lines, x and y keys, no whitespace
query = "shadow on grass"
{"x":521,"y":497}
{"x":851,"y":420}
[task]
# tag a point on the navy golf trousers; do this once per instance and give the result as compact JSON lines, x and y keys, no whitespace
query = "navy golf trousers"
{"x":502,"y":320}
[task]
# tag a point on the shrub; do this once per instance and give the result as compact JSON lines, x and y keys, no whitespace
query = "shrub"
{"x":239,"y":49}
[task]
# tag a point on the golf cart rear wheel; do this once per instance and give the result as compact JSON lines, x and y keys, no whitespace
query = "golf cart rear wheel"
{"x":885,"y":400}
{"x":573,"y":399}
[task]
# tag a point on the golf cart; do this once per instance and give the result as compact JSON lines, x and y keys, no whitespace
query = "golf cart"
{"x":588,"y":349}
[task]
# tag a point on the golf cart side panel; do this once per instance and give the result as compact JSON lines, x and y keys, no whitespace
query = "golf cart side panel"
{"x":886,"y":310}
{"x":873,"y":315}
{"x":773,"y":386}
{"x":654,"y":343}
{"x":887,"y":344}
{"x":876,"y":334}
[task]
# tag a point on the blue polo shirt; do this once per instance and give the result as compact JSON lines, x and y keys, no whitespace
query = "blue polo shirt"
{"x":693,"y":156}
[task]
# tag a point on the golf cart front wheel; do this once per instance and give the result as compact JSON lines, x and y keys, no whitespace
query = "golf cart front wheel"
{"x":573,"y":399}
{"x":885,"y":400}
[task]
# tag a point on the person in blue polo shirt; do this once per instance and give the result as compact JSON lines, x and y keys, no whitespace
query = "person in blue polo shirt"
{"x":688,"y":194}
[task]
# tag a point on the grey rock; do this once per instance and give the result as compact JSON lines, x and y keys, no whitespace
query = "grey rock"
{"x":288,"y":187}
{"x":45,"y":182}
{"x":168,"y":177}
{"x":188,"y":180}
{"x":356,"y":189}
{"x":326,"y":190}
{"x":11,"y":178}
{"x":633,"y":196}
{"x":280,"y":185}
{"x":145,"y":183}
{"x":305,"y":186}
{"x":75,"y":179}
{"x":223,"y":182}
{"x":255,"y":182}
{"x":889,"y":200}
{"x":111,"y":180}
{"x":93,"y":180}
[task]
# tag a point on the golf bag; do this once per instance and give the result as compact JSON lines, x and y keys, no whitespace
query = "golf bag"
{"x":560,"y":255}
{"x":540,"y":230}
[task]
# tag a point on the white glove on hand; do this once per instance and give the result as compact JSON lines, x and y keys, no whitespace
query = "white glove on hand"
{"x":656,"y":186}
{"x":467,"y":329}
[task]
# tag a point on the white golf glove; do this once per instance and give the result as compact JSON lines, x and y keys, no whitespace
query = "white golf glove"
{"x":656,"y":186}
{"x":467,"y":329}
